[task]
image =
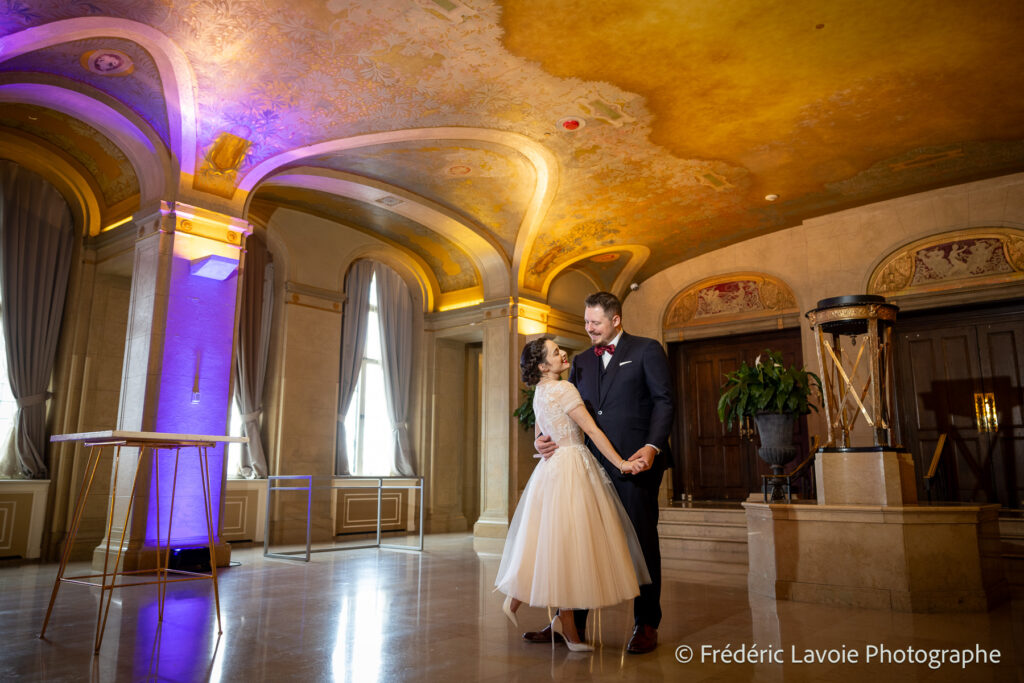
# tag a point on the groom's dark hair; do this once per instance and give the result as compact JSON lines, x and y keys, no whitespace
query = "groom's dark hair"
{"x":608,"y":302}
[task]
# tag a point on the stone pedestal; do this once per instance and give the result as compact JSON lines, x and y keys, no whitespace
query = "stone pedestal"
{"x":867,"y":544}
{"x":942,"y":558}
{"x":865,"y":476}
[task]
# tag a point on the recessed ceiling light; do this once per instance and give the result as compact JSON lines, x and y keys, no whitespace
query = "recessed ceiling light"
{"x":771,"y":197}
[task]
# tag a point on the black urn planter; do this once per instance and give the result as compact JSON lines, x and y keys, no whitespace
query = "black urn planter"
{"x":777,"y":447}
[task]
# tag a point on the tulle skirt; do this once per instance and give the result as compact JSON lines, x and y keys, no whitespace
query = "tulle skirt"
{"x":570,"y":543}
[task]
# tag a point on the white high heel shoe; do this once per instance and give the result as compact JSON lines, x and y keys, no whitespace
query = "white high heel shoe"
{"x":506,"y":607}
{"x":556,"y":627}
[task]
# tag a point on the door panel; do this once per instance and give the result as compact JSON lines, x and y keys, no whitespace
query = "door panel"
{"x":943,"y":361}
{"x":715,"y":464}
{"x":1001,"y":346}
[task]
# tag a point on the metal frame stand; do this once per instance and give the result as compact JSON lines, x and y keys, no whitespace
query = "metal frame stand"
{"x":333,"y":484}
{"x":108,"y":579}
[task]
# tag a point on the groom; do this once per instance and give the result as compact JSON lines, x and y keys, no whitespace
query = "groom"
{"x":626,"y":385}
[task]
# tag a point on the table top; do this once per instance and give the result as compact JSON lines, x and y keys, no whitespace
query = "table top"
{"x":110,"y":436}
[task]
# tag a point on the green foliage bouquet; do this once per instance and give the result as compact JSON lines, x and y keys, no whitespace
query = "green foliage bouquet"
{"x":767,"y":386}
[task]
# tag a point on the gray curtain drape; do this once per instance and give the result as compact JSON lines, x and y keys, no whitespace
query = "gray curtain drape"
{"x":253,"y":345}
{"x":36,"y":241}
{"x":394,"y":306}
{"x":353,"y":341}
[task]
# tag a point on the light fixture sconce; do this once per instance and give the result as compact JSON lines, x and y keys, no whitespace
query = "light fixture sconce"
{"x":195,"y":378}
{"x":213,"y":267}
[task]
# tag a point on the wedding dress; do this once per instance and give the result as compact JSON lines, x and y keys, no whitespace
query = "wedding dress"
{"x":570,"y":543}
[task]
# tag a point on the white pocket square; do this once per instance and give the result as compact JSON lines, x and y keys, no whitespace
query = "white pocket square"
{"x":625,"y":362}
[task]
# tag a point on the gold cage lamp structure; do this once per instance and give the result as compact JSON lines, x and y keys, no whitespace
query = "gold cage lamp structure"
{"x":861,"y":383}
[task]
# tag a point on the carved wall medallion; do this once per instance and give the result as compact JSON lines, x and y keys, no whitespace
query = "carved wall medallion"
{"x":218,"y":173}
{"x":108,"y":62}
{"x":728,"y":298}
{"x":1015,"y":252}
{"x":981,"y":256}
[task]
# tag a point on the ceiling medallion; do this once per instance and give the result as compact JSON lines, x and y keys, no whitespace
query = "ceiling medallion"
{"x":389,"y":200}
{"x":108,"y":62}
{"x":606,"y":258}
{"x":571,"y":123}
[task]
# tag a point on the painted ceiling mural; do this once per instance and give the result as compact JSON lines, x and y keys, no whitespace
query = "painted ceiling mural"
{"x":104,"y":161}
{"x":671,"y":123}
{"x":603,"y":269}
{"x":488,"y":184}
{"x":137,"y":84}
{"x":451,"y":265}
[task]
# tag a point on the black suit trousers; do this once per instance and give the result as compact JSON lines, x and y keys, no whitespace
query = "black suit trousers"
{"x":639,"y":495}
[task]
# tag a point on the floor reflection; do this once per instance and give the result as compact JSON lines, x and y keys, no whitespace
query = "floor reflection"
{"x":178,"y":648}
{"x":385,"y":615}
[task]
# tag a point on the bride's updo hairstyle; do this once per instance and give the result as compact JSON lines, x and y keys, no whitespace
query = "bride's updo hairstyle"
{"x":534,"y":353}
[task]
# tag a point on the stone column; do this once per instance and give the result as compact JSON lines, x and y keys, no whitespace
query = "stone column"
{"x":506,"y":461}
{"x":177,"y":371}
{"x":498,"y":333}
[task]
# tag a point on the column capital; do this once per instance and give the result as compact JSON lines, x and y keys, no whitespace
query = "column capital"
{"x":174,"y":216}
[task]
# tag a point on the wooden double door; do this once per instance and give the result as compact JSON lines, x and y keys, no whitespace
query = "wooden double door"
{"x":945,"y":363}
{"x":714,"y":463}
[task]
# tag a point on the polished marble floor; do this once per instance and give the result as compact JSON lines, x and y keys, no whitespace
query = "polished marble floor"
{"x":385,"y":615}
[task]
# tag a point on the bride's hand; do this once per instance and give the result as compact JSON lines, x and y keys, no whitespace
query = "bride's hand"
{"x":629,"y":467}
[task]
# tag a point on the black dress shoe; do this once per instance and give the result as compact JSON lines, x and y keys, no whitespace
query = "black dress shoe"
{"x":541,"y":636}
{"x":645,"y":639}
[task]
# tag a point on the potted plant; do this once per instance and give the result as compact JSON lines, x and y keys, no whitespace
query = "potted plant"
{"x":524,"y":413}
{"x":774,"y":396}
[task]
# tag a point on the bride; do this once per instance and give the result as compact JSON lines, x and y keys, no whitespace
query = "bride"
{"x":570,"y":543}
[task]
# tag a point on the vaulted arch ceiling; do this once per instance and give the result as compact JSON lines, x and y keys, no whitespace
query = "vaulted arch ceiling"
{"x":523,"y":138}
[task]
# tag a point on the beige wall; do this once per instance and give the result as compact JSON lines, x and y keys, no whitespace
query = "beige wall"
{"x":835,"y":255}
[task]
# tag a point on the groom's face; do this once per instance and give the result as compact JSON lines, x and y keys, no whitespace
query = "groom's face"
{"x":600,"y":328}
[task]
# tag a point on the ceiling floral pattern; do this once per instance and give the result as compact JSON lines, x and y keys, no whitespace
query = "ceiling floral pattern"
{"x":668,"y":124}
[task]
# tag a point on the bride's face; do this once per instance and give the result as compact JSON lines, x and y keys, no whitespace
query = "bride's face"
{"x":555,"y":360}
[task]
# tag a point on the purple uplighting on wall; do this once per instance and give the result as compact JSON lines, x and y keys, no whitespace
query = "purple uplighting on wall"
{"x":195,"y":382}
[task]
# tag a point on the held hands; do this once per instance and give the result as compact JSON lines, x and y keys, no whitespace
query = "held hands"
{"x":630,"y":466}
{"x":643,"y":458}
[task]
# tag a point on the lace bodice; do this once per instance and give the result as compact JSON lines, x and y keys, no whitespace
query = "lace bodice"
{"x":551,"y":405}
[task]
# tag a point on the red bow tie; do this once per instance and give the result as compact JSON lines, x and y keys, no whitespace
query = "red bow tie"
{"x":600,"y":350}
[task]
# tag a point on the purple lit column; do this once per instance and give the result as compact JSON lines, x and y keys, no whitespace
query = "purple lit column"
{"x":177,"y":369}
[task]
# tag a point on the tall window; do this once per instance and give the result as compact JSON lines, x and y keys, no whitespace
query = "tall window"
{"x":371,"y":440}
{"x":8,"y":406}
{"x":234,"y":450}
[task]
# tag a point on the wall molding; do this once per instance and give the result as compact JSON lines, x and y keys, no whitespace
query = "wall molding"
{"x":22,"y":512}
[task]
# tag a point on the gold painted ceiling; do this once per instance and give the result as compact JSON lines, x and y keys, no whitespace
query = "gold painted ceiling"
{"x":509,"y":141}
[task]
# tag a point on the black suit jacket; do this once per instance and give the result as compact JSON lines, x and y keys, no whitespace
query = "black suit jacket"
{"x":631,"y":400}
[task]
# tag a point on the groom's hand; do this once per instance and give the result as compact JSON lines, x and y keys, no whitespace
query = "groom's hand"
{"x":645,"y":455}
{"x":545,"y":446}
